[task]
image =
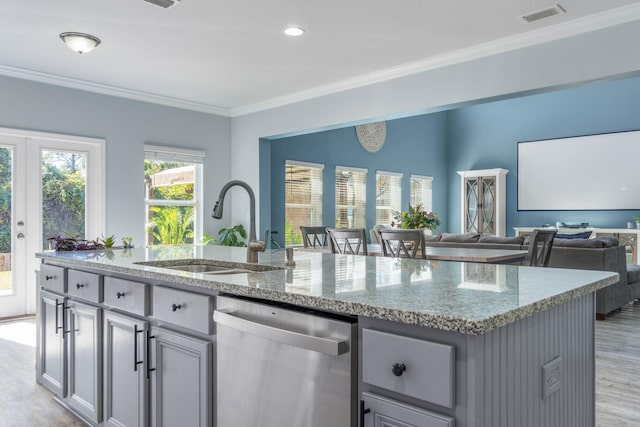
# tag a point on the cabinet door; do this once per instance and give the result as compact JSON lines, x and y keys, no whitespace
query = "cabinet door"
{"x":85,"y":360}
{"x":487,"y":207}
{"x":472,"y":194}
{"x":125,"y":370}
{"x":378,"y":411}
{"x":52,"y":350}
{"x":181,"y":382}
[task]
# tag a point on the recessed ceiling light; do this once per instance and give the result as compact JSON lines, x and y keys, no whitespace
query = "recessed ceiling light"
{"x":294,"y":31}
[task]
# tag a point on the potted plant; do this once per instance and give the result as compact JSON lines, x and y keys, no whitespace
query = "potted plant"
{"x":637,"y":220}
{"x":233,"y":236}
{"x":416,"y":217}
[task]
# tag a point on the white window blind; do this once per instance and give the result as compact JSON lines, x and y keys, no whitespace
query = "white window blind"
{"x":303,"y":198}
{"x":388,"y":195}
{"x":421,"y":191}
{"x":173,"y":154}
{"x":351,"y":185}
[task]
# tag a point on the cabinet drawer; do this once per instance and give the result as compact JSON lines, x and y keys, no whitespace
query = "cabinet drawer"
{"x":428,"y":372}
{"x":53,"y":278}
{"x":127,"y":295}
{"x":182,"y":308}
{"x":84,"y":285}
{"x":387,"y":412}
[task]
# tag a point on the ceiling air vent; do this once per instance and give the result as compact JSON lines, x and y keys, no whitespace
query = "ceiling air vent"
{"x":542,"y":14}
{"x":163,"y":3}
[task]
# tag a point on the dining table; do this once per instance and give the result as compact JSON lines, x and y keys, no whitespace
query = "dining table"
{"x":479,"y":255}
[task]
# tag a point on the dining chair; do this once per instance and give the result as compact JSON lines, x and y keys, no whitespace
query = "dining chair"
{"x":402,"y":243}
{"x":540,"y":244}
{"x":348,"y":240}
{"x":314,"y":236}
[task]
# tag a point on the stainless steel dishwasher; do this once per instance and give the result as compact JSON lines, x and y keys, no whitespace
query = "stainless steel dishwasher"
{"x":278,"y":367}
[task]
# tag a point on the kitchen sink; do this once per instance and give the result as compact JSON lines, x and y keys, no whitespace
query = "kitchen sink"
{"x":207,"y":266}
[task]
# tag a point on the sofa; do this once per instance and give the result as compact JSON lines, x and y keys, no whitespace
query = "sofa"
{"x":600,"y":253}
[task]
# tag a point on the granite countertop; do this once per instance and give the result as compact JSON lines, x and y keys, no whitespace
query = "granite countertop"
{"x":463,"y":297}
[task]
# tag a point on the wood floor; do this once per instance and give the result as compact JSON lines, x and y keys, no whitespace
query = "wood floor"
{"x":24,"y":404}
{"x":618,"y":368}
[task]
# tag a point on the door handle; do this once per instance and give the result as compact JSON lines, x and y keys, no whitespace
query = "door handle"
{"x":330,"y":346}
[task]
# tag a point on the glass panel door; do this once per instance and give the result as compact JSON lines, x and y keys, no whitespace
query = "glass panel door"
{"x":64,"y":180}
{"x":12,"y":245}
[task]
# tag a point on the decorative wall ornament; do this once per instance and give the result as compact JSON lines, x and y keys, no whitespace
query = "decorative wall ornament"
{"x":372,"y":135}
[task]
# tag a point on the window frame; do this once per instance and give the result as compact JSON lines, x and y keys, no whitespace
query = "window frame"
{"x":429,"y":207}
{"x":179,"y":155}
{"x":314,"y":205}
{"x":362,"y":205}
{"x":393,"y":197}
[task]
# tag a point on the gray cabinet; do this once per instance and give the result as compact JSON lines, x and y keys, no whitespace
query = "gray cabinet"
{"x":125,"y":370}
{"x":51,"y":357}
{"x":378,"y":411}
{"x":181,"y":380}
{"x":84,"y":359}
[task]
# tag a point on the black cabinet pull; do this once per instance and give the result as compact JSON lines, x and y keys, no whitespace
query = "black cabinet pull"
{"x":136,"y":362}
{"x":49,"y":277}
{"x":175,"y":307}
{"x":79,"y":285}
{"x":119,"y":295}
{"x":64,"y":318}
{"x":149,"y":338}
{"x":398,"y":369}
{"x":363,"y":411}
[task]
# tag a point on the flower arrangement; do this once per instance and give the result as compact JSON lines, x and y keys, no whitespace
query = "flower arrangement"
{"x":71,"y":244}
{"x":415,"y":217}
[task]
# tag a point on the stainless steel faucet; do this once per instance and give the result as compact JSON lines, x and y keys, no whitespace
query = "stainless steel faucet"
{"x":253,"y":246}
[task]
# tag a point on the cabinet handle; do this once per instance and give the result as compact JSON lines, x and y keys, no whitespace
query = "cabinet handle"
{"x":57,"y":315}
{"x":136,"y":362}
{"x":64,"y":318}
{"x":79,"y":285}
{"x":398,"y":369}
{"x":175,"y":307}
{"x":149,"y":338}
{"x":49,"y":277}
{"x":363,"y":411}
{"x":119,"y":295}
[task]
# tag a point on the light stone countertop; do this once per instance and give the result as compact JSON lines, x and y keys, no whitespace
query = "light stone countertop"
{"x":463,"y":297}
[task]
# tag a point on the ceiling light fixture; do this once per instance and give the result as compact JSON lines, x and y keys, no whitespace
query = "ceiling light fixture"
{"x":80,"y":42}
{"x":294,"y":31}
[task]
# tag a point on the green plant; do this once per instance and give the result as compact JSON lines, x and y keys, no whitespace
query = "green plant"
{"x":636,"y":218}
{"x":416,"y":217}
{"x":207,"y":239}
{"x":109,"y":241}
{"x":127,"y":242}
{"x":232,"y":236}
{"x":292,"y":236}
{"x":171,"y":225}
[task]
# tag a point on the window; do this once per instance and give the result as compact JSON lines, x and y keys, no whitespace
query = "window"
{"x":351,"y":184}
{"x":303,"y":198}
{"x":173,"y":195}
{"x":421,"y":191}
{"x":388,"y":196}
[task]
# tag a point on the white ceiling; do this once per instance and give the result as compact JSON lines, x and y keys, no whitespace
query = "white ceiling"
{"x":231,"y":57}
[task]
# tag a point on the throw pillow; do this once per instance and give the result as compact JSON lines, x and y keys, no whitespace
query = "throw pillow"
{"x":583,"y":235}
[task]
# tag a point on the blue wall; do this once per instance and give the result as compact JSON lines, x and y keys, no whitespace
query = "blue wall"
{"x":414,"y":145}
{"x":487,"y":135}
{"x":483,"y":136}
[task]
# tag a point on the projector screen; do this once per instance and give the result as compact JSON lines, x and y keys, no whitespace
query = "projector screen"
{"x":595,"y":172}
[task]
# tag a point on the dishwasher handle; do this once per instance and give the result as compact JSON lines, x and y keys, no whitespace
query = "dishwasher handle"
{"x":330,"y":346}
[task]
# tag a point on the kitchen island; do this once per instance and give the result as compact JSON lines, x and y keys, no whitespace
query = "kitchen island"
{"x":436,"y":343}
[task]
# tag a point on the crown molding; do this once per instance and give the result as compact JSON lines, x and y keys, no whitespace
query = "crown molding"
{"x":37,"y":76}
{"x":575,"y":27}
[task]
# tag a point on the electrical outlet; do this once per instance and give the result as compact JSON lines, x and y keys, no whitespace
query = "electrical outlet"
{"x":551,"y":377}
